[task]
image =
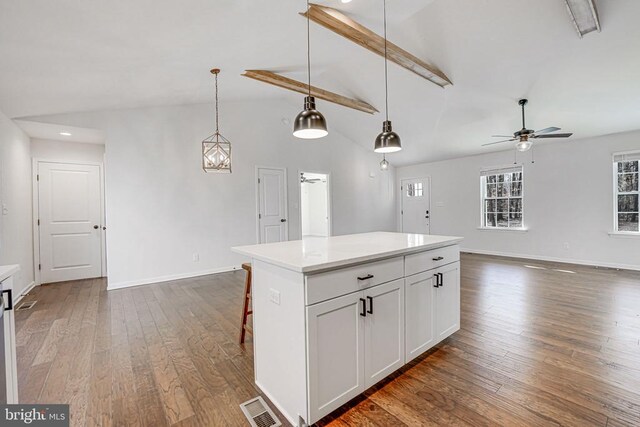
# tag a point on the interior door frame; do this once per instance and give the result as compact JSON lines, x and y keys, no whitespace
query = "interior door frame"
{"x":329,"y":204}
{"x":401,"y":199}
{"x":286,"y":200}
{"x":36,"y":214}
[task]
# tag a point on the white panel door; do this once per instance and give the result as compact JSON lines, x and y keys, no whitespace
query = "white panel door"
{"x":448,"y":301}
{"x":419,"y":303}
{"x":335,"y":352}
{"x":70,"y":206}
{"x":272,"y":205}
{"x":384,"y":331}
{"x":416,"y":201}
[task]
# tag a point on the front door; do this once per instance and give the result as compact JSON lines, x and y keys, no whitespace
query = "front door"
{"x":70,"y":228}
{"x":272,"y":205}
{"x":415,"y":210}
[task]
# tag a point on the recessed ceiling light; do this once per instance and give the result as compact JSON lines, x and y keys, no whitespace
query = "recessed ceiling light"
{"x":346,"y":1}
{"x":65,"y":134}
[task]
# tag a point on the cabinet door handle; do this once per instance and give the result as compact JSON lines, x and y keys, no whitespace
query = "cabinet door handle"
{"x":363,"y":313}
{"x":441,"y":279}
{"x":367,"y":277}
{"x":370,"y":311}
{"x":10,"y":297}
{"x":437,"y":280}
{"x":438,"y":258}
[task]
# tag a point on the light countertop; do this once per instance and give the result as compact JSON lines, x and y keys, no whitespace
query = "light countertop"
{"x":7,"y":271}
{"x":313,"y":254}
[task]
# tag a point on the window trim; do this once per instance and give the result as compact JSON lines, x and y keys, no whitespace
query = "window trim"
{"x":614,"y":182}
{"x":482,"y":184}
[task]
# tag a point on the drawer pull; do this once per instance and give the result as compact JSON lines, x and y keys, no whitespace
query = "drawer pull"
{"x":363,"y":313}
{"x":370,"y":311}
{"x":367,"y":277}
{"x":438,"y":258}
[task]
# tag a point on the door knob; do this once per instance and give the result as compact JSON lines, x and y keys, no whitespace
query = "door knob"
{"x":95,"y":227}
{"x":283,"y":220}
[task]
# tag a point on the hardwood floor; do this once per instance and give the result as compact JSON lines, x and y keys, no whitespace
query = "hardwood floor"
{"x":541,"y":344}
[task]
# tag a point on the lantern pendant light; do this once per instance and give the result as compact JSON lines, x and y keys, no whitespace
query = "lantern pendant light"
{"x":310,"y":123}
{"x":387,"y":141}
{"x":216,"y":149}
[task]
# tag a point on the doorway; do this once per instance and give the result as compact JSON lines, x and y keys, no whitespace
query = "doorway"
{"x":315,"y":205}
{"x":415,"y":209}
{"x":69,"y":221}
{"x":272,"y":205}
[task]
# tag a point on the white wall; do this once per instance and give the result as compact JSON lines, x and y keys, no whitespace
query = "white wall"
{"x":66,"y":151}
{"x":162,"y":208}
{"x":16,"y":237}
{"x":568,"y":202}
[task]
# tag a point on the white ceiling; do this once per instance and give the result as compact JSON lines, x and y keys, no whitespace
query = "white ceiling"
{"x":58,"y":132}
{"x":85,"y":55}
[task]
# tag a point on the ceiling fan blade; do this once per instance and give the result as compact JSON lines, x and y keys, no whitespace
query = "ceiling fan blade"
{"x":501,"y":136}
{"x":547,"y":130}
{"x":499,"y":142}
{"x":554,"y":135}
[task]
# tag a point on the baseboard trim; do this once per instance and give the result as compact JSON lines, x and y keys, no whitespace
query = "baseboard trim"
{"x":160,"y":279}
{"x":25,"y":292}
{"x":553,"y":259}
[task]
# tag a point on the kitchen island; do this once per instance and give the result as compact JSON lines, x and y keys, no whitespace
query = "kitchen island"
{"x":332,"y":316}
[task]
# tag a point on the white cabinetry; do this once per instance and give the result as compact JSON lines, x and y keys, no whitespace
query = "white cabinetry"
{"x":10,"y":359}
{"x":353,"y":342}
{"x":432,"y":303}
{"x":325,"y":332}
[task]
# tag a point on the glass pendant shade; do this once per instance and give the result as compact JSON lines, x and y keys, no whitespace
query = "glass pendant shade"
{"x":523,"y":145}
{"x":310,"y":123}
{"x":384,"y":165}
{"x":387,"y":141}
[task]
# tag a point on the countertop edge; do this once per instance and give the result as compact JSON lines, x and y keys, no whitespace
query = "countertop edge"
{"x":350,"y":261}
{"x":7,"y":271}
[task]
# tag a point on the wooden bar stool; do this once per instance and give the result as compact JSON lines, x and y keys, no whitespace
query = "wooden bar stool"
{"x":246,"y":306}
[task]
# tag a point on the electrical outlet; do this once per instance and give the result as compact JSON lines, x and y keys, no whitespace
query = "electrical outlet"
{"x":566,"y":245}
{"x":5,"y":209}
{"x":274,"y":296}
{"x":196,"y":257}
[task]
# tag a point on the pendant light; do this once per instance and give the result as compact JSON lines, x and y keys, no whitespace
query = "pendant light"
{"x":387,"y":141}
{"x":216,"y":149}
{"x":384,"y":164}
{"x":310,"y":123}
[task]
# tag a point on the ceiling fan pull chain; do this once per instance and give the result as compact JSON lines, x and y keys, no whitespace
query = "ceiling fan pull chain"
{"x":533,"y":147}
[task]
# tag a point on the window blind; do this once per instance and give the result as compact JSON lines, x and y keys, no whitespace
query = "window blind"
{"x":497,"y":171}
{"x":626,"y":157}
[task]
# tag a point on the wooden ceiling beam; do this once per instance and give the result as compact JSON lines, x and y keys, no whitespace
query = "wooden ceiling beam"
{"x":584,"y":16}
{"x":346,"y":27}
{"x":300,"y":87}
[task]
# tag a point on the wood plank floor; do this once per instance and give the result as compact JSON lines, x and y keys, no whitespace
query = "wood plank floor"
{"x":541,"y":344}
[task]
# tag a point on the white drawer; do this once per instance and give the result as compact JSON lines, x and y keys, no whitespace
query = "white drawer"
{"x":429,"y":260}
{"x":335,"y":283}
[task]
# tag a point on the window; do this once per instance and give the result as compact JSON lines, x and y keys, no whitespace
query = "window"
{"x":501,"y":193}
{"x":625,"y":167}
{"x":414,"y":190}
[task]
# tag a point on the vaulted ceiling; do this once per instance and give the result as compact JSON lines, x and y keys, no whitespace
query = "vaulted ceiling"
{"x":86,"y":55}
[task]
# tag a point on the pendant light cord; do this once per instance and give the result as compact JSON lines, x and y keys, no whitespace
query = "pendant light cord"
{"x":386,"y":78}
{"x":308,"y":48}
{"x":217,"y":129}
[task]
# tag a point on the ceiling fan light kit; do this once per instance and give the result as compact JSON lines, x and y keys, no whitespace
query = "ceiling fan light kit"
{"x":309,"y":123}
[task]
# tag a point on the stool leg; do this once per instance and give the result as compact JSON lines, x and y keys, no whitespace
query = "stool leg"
{"x":245,"y":306}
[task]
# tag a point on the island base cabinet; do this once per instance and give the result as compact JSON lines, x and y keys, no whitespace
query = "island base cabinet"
{"x":432,"y":308}
{"x":448,"y":301}
{"x":335,"y":352}
{"x":354,"y":341}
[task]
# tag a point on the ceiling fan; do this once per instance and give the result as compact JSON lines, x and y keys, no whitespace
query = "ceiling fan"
{"x":309,"y":180}
{"x":524,"y":135}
